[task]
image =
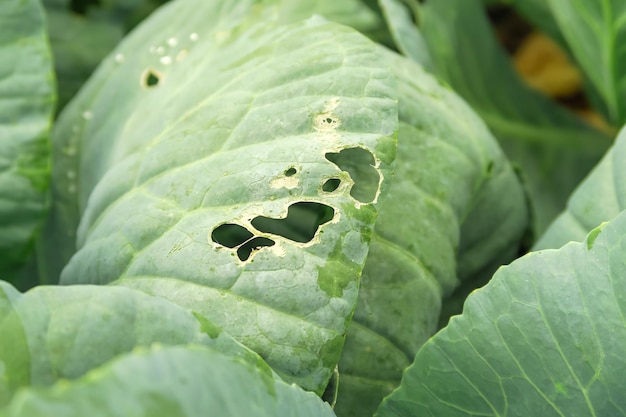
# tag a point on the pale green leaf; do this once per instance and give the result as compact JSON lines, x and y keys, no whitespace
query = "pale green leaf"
{"x":191,"y":381}
{"x":544,"y":338}
{"x":599,"y":198}
{"x":83,"y":33}
{"x":406,"y":35}
{"x":202,"y":130}
{"x":353,"y":13}
{"x":52,"y":333}
{"x":455,"y":207}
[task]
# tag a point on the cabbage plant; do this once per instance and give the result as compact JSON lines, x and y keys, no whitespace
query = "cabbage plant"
{"x":287,"y":208}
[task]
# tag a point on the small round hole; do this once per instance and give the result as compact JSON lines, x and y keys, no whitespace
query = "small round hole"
{"x":150,"y":78}
{"x":331,"y":185}
{"x":291,"y":172}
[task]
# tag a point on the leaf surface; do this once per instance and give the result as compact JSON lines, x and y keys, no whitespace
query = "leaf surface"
{"x":78,"y":45}
{"x":182,"y":381}
{"x":406,"y":35}
{"x":544,"y":338}
{"x":26,"y":104}
{"x":206,"y":148}
{"x":454,"y":208}
{"x":52,"y":333}
{"x":83,"y":32}
{"x":599,"y":198}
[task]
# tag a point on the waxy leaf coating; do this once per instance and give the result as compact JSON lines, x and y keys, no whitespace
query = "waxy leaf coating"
{"x":212,"y":118}
{"x":454,"y":209}
{"x":180,"y":381}
{"x":599,"y":198}
{"x":545,"y":337}
{"x":26,"y":103}
{"x":54,"y":332}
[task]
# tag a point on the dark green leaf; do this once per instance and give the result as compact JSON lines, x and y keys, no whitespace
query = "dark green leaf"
{"x":538,"y":12}
{"x":595,"y":32}
{"x":78,"y":46}
{"x":553,"y":148}
{"x":26,"y":105}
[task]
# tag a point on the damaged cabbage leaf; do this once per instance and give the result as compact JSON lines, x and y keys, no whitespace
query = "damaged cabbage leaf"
{"x":232,"y":165}
{"x":406,"y":36}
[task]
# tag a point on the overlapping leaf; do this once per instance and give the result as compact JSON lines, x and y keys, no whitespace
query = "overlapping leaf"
{"x":52,"y":333}
{"x":454,"y":208}
{"x":596,"y":34}
{"x":544,"y":337}
{"x":182,"y":381}
{"x":78,"y":45}
{"x":599,"y":198}
{"x":26,"y":105}
{"x":407,"y":37}
{"x":553,"y":148}
{"x":82,"y":33}
{"x":538,"y":12}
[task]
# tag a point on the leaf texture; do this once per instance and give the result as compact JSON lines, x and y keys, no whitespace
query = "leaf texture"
{"x":204,"y":150}
{"x":454,"y":209}
{"x":544,"y":337}
{"x":53,"y":333}
{"x":599,"y":198}
{"x":27,"y":100}
{"x":182,"y":381}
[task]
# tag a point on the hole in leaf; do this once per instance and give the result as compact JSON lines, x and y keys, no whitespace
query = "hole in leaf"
{"x":301,"y":224}
{"x":325,"y":122}
{"x":331,"y":185}
{"x":252,"y":245}
{"x":230,"y":235}
{"x":150,"y":78}
{"x":290,"y":172}
{"x":359,"y":163}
